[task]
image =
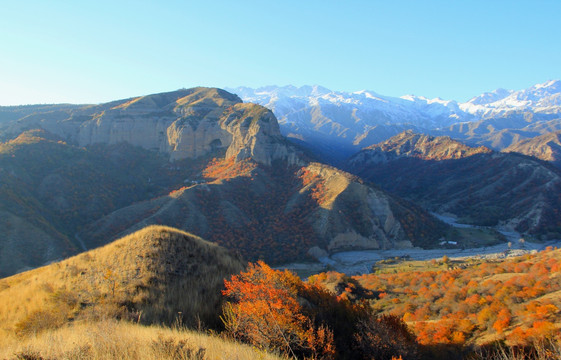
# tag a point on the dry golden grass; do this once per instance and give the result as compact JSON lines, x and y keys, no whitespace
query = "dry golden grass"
{"x":111,"y":339}
{"x":154,"y":276}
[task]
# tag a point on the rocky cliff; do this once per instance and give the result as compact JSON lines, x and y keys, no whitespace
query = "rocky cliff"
{"x":202,"y":161}
{"x":187,"y":123}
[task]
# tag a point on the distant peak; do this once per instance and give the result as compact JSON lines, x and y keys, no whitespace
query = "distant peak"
{"x":548,"y":84}
{"x":490,"y":97}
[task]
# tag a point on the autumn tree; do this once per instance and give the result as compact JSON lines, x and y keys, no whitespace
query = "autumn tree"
{"x":264,"y":310}
{"x":275,"y":310}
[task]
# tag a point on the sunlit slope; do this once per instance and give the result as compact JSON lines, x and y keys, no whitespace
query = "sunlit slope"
{"x":156,"y":275}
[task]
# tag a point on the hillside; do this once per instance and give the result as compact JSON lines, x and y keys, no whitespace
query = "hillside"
{"x":465,"y":302}
{"x":546,"y":147}
{"x":279,"y":213}
{"x":153,"y":276}
{"x":196,"y":159}
{"x":158,"y":275}
{"x":50,"y":189}
{"x":478,"y":185}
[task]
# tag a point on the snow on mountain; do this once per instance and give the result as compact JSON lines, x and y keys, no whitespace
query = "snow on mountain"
{"x":490,"y":97}
{"x":541,"y":98}
{"x":349,"y":121}
{"x":417,"y":110}
{"x":368,"y":107}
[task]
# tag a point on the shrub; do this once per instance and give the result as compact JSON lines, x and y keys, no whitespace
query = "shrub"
{"x":41,"y":320}
{"x":265,"y":311}
{"x":172,"y":348}
{"x":385,"y":337}
{"x":276,"y":311}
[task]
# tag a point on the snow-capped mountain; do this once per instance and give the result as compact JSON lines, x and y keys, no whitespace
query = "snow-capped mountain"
{"x":490,"y":97}
{"x":376,"y":109}
{"x":347,"y":121}
{"x":540,"y":98}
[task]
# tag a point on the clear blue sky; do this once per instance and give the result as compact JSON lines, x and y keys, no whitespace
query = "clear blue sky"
{"x":95,"y":51}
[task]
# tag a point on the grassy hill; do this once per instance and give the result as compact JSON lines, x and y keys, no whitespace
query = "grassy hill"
{"x":100,"y":304}
{"x":156,"y":275}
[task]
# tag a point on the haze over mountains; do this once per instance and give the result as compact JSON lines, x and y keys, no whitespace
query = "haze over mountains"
{"x":351,"y":121}
{"x":196,"y":159}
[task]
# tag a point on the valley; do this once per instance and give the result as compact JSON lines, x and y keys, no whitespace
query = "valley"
{"x":363,"y":262}
{"x":280,"y":180}
{"x":170,"y":208}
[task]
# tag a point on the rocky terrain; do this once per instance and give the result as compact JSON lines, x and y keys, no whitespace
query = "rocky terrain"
{"x":480,"y":186}
{"x":546,"y":147}
{"x":196,"y":159}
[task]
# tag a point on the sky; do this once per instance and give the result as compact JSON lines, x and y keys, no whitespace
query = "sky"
{"x":97,"y":51}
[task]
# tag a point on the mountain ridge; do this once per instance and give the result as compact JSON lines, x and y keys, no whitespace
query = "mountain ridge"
{"x":221,"y":169}
{"x":482,"y":186}
{"x":353,"y":120}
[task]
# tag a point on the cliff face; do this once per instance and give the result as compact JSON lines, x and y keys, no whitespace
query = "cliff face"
{"x":184,"y":124}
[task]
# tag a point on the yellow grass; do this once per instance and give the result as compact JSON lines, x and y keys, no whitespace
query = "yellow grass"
{"x":110,"y":339}
{"x":154,"y":275}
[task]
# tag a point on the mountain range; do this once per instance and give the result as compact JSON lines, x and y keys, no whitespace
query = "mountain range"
{"x":349,"y":121}
{"x":477,"y":184}
{"x":76,"y":178}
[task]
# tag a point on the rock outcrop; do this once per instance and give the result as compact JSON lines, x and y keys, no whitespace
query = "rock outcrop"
{"x":545,"y":147}
{"x":187,"y":123}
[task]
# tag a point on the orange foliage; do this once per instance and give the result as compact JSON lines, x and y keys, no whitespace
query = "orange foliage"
{"x":318,"y":190}
{"x":503,"y":320}
{"x":228,"y":168}
{"x":266,"y":313}
{"x":453,"y":306}
{"x":275,"y":310}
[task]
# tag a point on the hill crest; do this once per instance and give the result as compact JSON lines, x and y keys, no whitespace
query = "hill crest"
{"x":154,"y":275}
{"x":426,"y":147}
